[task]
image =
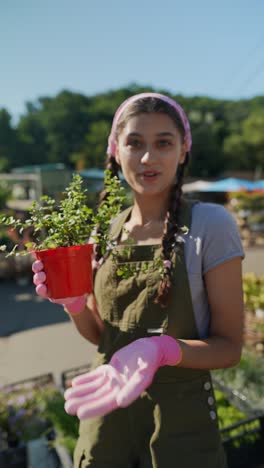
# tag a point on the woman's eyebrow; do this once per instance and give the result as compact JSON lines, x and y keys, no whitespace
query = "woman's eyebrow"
{"x":166,"y":134}
{"x":133,"y":134}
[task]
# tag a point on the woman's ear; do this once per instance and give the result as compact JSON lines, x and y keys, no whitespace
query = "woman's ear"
{"x":117,"y":158}
{"x":183,"y":154}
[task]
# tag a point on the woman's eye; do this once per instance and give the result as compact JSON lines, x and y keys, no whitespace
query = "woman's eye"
{"x":134,"y":143}
{"x":164,"y":143}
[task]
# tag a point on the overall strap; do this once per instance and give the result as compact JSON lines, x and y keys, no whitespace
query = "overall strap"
{"x":118,"y":222}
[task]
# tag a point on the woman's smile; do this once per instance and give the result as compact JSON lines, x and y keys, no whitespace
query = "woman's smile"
{"x":149,"y":176}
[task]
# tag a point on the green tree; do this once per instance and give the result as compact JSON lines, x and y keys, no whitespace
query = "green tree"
{"x":72,"y":128}
{"x":95,"y":144}
{"x":206,"y":152}
{"x":53,"y":128}
{"x":66,"y":120}
{"x":236,"y":152}
{"x":245,"y":149}
{"x":32,"y":136}
{"x":253,"y":133}
{"x":8,"y":141}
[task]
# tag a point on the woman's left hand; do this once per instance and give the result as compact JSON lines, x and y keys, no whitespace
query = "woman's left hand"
{"x":119,"y":383}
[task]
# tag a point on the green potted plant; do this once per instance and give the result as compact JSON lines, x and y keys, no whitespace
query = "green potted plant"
{"x":32,"y":414}
{"x":62,"y":232}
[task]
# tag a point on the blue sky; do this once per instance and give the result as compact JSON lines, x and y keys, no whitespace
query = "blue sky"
{"x":190,"y":47}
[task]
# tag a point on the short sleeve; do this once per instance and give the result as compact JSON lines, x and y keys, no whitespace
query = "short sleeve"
{"x":221,"y":239}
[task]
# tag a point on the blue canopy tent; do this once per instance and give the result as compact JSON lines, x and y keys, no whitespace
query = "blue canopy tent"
{"x":229,"y":185}
{"x":259,"y":185}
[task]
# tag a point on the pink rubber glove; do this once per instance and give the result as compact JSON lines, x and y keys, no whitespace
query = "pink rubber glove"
{"x":74,"y":305}
{"x":119,"y":383}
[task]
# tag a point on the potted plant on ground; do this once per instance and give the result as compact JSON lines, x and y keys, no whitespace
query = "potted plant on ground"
{"x":32,"y":417}
{"x":62,"y":232}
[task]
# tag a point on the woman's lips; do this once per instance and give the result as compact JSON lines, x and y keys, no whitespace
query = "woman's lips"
{"x":149,"y":175}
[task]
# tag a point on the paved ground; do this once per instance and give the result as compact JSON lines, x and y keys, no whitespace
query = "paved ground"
{"x":254,"y":260}
{"x":37,"y":337}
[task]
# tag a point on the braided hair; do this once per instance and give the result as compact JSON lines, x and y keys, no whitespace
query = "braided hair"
{"x":113,"y":167}
{"x":171,"y":224}
{"x":170,"y":233}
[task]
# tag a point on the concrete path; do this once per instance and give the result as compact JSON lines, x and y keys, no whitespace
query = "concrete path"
{"x":254,"y":260}
{"x":52,"y":348}
{"x":37,"y":337}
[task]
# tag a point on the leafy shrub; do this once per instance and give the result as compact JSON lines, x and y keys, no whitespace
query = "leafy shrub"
{"x":249,"y":201}
{"x":71,"y":222}
{"x":227,"y":413}
{"x":253,"y":287}
{"x":247,"y":378}
{"x":30,"y":413}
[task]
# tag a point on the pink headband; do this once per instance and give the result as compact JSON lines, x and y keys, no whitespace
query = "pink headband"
{"x":111,"y":149}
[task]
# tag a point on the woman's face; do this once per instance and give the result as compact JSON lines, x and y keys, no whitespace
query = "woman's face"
{"x":149,"y":150}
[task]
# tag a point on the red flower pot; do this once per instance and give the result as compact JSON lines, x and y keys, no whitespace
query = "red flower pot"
{"x":68,"y":270}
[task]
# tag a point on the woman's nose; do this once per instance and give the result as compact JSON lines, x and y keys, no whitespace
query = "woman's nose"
{"x":147,"y":156}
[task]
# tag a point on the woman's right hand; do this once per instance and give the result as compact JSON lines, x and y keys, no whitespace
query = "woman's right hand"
{"x":74,"y":305}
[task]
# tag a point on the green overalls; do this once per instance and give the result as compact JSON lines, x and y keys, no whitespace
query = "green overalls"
{"x":174,"y":423}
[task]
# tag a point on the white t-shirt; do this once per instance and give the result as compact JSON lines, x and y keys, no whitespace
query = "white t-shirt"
{"x":213,"y":239}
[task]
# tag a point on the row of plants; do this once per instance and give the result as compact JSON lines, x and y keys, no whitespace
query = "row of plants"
{"x":241,"y":402}
{"x":248,"y":210}
{"x":38,"y":410}
{"x":35,"y":411}
{"x":246,"y":379}
{"x":248,"y":201}
{"x":241,"y":411}
{"x":29,"y":411}
{"x":229,"y":418}
{"x":253,"y":287}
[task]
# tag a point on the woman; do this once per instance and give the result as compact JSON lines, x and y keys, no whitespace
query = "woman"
{"x":161,"y":328}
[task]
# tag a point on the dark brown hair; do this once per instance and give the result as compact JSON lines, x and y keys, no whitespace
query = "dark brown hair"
{"x":149,"y":105}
